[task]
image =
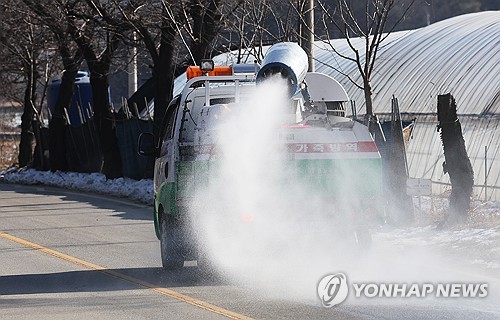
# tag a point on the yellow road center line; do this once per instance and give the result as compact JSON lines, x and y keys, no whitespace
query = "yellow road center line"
{"x":164,"y":291}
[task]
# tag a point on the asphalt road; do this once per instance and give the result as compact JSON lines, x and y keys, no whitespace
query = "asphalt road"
{"x":66,"y":255}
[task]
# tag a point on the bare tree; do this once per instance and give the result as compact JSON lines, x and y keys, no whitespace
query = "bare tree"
{"x":252,"y":24}
{"x":203,"y":25}
{"x":98,"y":43}
{"x":372,"y":29}
{"x":155,"y":25}
{"x":26,"y":43}
{"x":166,"y":29}
{"x":80,"y":36}
{"x":55,"y":19}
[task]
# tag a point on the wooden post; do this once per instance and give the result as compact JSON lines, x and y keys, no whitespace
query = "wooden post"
{"x":457,"y":163}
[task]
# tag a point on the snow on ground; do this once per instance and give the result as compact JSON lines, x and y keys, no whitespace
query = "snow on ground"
{"x":481,"y":246}
{"x":138,"y":191}
{"x":479,"y":239}
{"x":476,"y":243}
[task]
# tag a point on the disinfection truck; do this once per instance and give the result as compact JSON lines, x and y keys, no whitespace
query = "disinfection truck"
{"x":334,"y":157}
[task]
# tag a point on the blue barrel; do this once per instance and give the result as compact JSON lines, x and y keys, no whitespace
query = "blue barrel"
{"x":81,"y":105}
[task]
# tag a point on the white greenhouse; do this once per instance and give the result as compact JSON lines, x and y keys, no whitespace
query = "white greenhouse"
{"x":460,"y":56}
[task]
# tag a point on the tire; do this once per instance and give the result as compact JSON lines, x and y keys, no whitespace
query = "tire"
{"x":171,"y":243}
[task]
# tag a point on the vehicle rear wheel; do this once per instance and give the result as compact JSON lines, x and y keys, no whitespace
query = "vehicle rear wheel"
{"x":171,"y":243}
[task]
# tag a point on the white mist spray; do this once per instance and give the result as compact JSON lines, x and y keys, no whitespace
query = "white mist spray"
{"x":256,"y":222}
{"x":261,"y":227}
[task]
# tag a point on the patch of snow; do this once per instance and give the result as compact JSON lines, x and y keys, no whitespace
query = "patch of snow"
{"x":480,"y":245}
{"x":139,"y":191}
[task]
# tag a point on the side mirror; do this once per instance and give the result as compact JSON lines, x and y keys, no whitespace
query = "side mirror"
{"x":146,"y":145}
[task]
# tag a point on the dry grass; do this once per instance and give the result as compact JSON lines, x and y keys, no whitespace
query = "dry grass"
{"x":9,"y":150}
{"x":9,"y":136}
{"x":484,"y":214}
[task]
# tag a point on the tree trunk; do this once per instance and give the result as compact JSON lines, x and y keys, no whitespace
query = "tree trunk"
{"x":103,"y":119}
{"x":457,"y":163}
{"x":369,"y":101}
{"x":26,"y":144}
{"x":205,"y":24}
{"x":163,"y":76}
{"x":58,"y":122}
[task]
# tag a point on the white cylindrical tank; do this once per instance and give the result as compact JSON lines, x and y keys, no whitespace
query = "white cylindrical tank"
{"x":287,"y":59}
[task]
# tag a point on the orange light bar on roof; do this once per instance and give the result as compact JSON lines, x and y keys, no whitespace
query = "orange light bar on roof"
{"x":194,"y":71}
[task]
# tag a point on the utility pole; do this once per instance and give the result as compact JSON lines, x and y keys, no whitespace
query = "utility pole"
{"x":307,"y":34}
